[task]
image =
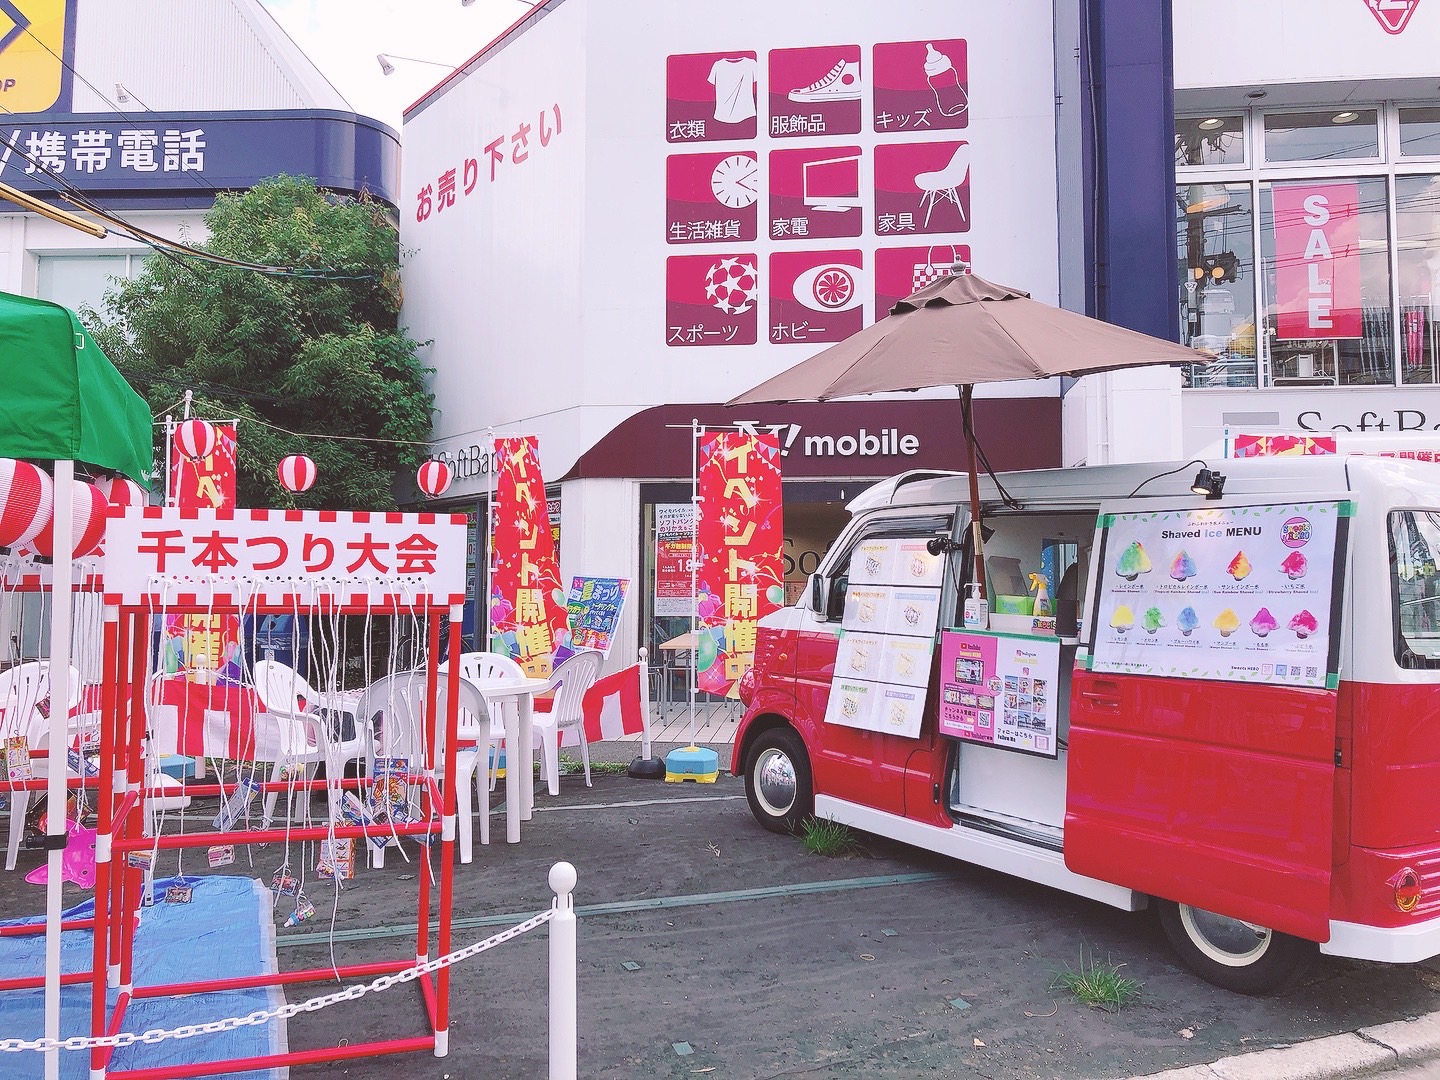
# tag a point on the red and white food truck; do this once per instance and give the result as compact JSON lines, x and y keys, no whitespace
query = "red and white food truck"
{"x":1234,"y":714}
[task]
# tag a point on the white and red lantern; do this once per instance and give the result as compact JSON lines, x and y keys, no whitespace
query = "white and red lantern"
{"x":297,"y":473}
{"x":87,"y":518}
{"x":195,"y":439}
{"x":434,"y":478}
{"x":122,"y":491}
{"x":27,"y":501}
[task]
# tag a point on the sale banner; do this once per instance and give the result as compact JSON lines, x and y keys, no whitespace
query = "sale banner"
{"x":595,"y":605}
{"x":740,"y":536}
{"x":674,"y":547}
{"x":1317,"y":261}
{"x":207,"y":483}
{"x":528,"y":614}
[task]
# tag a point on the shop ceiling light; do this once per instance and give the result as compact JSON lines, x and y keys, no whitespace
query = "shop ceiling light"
{"x":1208,"y":483}
{"x":1345,"y":117}
{"x":1256,"y":95}
{"x":1211,"y":124}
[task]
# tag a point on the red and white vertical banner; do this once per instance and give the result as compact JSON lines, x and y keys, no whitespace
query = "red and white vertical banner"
{"x":207,"y":483}
{"x":1317,"y":261}
{"x":740,"y":536}
{"x":528,"y":608}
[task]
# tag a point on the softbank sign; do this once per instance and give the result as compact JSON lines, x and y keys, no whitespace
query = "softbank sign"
{"x":1317,"y":261}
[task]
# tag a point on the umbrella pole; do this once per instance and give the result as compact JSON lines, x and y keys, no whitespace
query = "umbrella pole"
{"x":967,"y":398}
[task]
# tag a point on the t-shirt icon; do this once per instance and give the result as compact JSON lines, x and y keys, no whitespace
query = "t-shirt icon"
{"x":734,"y":82}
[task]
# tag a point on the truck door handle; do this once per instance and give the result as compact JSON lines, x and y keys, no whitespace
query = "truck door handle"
{"x":1100,"y":699}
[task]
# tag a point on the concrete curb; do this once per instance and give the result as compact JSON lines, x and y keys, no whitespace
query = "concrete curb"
{"x":1366,"y":1052}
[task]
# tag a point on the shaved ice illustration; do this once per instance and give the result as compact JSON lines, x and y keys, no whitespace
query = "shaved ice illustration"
{"x":1295,"y":565}
{"x":1183,"y":566}
{"x":1227,"y":622}
{"x":1239,"y":567}
{"x":1153,"y":620}
{"x":1304,"y":624}
{"x":1123,"y":619}
{"x":1262,"y":623}
{"x":1133,"y":562}
{"x":1187,"y":621}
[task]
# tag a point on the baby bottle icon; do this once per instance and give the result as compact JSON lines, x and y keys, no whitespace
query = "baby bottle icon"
{"x":944,"y":80}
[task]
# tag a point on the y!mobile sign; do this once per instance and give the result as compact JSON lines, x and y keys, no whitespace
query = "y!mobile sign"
{"x":1317,"y":260}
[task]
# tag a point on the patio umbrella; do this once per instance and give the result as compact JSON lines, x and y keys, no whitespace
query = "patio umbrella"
{"x":960,"y":331}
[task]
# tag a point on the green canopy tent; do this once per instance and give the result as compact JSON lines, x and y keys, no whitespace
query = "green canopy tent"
{"x":63,"y":401}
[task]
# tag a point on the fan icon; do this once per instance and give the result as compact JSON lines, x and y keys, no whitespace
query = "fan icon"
{"x":833,"y":287}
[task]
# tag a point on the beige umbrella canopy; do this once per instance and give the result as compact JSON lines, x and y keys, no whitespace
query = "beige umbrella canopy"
{"x":960,"y":331}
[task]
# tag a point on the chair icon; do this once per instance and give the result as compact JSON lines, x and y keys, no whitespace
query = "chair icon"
{"x":945,"y":183}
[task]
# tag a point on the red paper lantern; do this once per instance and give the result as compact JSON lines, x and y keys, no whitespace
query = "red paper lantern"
{"x":434,"y":478}
{"x":122,"y":491}
{"x":87,"y":518}
{"x":195,"y":439}
{"x":27,"y":500}
{"x":297,"y":473}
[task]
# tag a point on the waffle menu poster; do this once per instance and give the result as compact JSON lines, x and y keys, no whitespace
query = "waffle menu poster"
{"x":892,"y":608}
{"x":1238,"y":593}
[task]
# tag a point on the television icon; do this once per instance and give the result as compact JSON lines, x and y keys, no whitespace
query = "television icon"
{"x":831,"y":185}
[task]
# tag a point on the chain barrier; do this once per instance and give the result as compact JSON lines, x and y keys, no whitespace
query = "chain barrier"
{"x":315,"y":1004}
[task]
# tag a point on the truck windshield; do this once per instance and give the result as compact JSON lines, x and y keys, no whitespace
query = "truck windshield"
{"x":1415,"y":587}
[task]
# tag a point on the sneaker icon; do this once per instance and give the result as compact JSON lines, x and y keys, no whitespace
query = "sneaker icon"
{"x":840,"y":83}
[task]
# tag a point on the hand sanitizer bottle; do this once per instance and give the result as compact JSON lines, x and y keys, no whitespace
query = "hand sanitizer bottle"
{"x":977,"y":615}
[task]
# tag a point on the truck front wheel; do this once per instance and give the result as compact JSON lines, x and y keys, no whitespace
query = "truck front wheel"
{"x":777,"y":780}
{"x":1233,"y":954}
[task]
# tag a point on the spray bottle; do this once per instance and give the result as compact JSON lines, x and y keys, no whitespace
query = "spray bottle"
{"x":977,"y":615}
{"x":1041,"y":588}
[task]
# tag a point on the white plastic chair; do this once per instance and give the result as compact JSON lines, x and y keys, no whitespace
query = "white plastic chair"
{"x":945,"y":183}
{"x":293,"y":727}
{"x":475,"y":724}
{"x":480,"y":668}
{"x":570,"y":680}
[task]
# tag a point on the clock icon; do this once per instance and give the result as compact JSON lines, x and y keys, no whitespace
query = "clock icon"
{"x":735,"y":181}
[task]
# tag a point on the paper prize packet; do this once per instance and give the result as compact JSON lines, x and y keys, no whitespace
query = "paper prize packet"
{"x":220,"y":855}
{"x":353,"y":812}
{"x":179,"y":894}
{"x":388,"y":792}
{"x":141,"y":860}
{"x":283,"y":882}
{"x":17,"y":758}
{"x":337,"y":859}
{"x":237,"y":804}
{"x":80,"y":765}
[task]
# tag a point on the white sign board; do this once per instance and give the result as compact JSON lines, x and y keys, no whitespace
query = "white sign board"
{"x":1237,"y":593}
{"x":163,"y":556}
{"x":892,"y":608}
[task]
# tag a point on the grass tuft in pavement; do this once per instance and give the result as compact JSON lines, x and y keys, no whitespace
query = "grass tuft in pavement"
{"x":825,"y":836}
{"x":1097,"y":983}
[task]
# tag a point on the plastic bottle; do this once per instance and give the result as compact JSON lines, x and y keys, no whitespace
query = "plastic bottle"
{"x":1041,"y":588}
{"x":977,"y":614}
{"x":944,"y":81}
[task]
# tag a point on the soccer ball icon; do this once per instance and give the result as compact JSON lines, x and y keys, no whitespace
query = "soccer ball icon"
{"x":733,"y":285}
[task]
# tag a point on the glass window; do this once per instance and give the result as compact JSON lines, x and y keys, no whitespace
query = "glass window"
{"x":1215,"y":246}
{"x":1209,"y":140}
{"x":1420,"y":132}
{"x":78,"y":281}
{"x":1324,"y":135}
{"x":1415,"y":587}
{"x":1327,"y":295}
{"x":1417,"y":225}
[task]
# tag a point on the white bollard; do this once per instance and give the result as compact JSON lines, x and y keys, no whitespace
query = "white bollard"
{"x":564,"y":1037}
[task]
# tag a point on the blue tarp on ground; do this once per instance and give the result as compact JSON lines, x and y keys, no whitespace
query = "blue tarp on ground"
{"x":227,"y":930}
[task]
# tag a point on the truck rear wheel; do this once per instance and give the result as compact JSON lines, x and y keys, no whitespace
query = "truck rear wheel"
{"x":777,"y":780}
{"x":1233,"y":954}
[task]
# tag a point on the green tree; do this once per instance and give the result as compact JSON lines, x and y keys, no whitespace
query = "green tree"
{"x":318,"y":354}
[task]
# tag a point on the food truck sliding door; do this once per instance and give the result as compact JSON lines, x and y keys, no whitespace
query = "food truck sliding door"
{"x":1212,"y":792}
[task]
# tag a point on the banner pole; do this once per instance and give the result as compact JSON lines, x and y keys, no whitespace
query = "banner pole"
{"x":488,"y":526}
{"x":695,"y":435}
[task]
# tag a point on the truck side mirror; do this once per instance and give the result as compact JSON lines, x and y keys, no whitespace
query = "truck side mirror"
{"x":817,"y":594}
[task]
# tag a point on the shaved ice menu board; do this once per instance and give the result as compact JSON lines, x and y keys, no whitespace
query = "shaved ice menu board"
{"x":892,"y":609}
{"x":1237,"y":593}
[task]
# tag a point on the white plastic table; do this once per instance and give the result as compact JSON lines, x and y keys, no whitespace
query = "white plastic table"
{"x":516,"y":699}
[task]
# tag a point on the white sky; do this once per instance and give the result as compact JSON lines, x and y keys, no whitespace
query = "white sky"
{"x":342,"y":37}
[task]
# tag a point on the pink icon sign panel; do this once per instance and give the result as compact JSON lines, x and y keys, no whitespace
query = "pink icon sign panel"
{"x":710,"y":197}
{"x":815,"y":296}
{"x":711,"y":300}
{"x":922,"y":187}
{"x":815,"y":91}
{"x":710,"y":96}
{"x":921,"y":86}
{"x":815,"y":193}
{"x":902,"y":271}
